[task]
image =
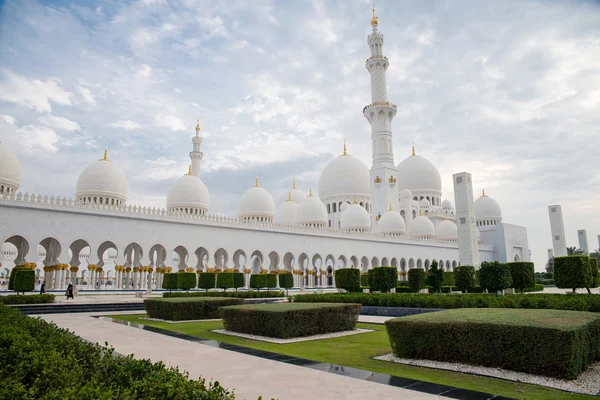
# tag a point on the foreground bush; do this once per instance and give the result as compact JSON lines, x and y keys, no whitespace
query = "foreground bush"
{"x":523,"y":340}
{"x":464,"y":277}
{"x":522,"y":274}
{"x":384,"y":278}
{"x":29,"y":299}
{"x":291,"y":319}
{"x":572,"y":272}
{"x":40,"y":361}
{"x":416,"y":279}
{"x":348,"y":279}
{"x":187,"y":308}
{"x":577,"y":302}
{"x":11,"y":277}
{"x":237,"y":295}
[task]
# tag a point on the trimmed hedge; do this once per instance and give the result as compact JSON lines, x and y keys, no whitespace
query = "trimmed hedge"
{"x":348,"y":278}
{"x":187,"y":308}
{"x":238,"y":280}
{"x":364,"y":280}
{"x":24,"y":280}
{"x":291,"y":319}
{"x":186,"y":280}
{"x":595,"y":272}
{"x":494,"y":276}
{"x":206,"y":280}
{"x":464,"y":277}
{"x":29,"y":299}
{"x":522,"y":274}
{"x":546,"y":282}
{"x":416,"y":279}
{"x":523,"y":340}
{"x":572,"y":272}
{"x":538,"y":287}
{"x":11,"y":277}
{"x":258,"y":281}
{"x":225,"y":280}
{"x":384,"y":278}
{"x":40,"y":361}
{"x":170,"y":281}
{"x":448,"y":279}
{"x":435,"y":277}
{"x":576,"y":302}
{"x":239,"y":295}
{"x":286,"y":281}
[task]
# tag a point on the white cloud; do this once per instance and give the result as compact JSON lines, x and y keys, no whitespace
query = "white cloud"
{"x":160,"y":161}
{"x":32,"y":93}
{"x":128,"y":125}
{"x":61,"y":123}
{"x":87,"y":94}
{"x":38,"y":138}
{"x":8,"y":119}
{"x":168,"y":121}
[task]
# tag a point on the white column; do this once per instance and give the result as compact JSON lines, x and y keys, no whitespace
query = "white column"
{"x":559,"y":242}
{"x":468,"y":249}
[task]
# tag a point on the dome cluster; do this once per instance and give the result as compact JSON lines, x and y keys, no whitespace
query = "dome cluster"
{"x":188,"y":195}
{"x":10,"y":171}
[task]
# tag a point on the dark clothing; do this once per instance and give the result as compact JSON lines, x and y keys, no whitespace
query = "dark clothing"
{"x":43,"y":288}
{"x":70,"y":293}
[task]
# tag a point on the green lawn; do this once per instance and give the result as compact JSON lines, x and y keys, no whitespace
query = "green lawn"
{"x":357,"y":350}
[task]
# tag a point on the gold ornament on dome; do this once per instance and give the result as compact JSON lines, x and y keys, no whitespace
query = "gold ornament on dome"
{"x":374,"y":19}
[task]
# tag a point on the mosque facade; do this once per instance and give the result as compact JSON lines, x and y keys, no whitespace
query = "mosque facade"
{"x":386,"y":215}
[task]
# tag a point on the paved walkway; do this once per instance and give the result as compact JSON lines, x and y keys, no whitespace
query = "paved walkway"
{"x":250,"y":376}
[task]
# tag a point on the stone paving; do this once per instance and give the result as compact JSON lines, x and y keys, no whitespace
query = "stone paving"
{"x":250,"y":376}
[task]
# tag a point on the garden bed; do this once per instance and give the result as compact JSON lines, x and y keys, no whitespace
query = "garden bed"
{"x":290,"y":320}
{"x":187,"y":308}
{"x":518,"y":340}
{"x":240,"y":295}
{"x":330,"y":335}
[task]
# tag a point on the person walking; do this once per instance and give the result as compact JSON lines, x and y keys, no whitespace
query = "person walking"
{"x":43,"y":288}
{"x":70,"y":292}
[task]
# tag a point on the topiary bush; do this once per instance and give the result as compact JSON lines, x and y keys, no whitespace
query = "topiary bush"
{"x":286,"y":281}
{"x":11,"y":277}
{"x":435,"y":276}
{"x":538,"y":287}
{"x":595,"y":280}
{"x":448,"y":279}
{"x":170,"y":281}
{"x":364,"y":280}
{"x":522,"y":274}
{"x":188,"y":308}
{"x":24,"y":280}
{"x":416,"y":279}
{"x":271,"y":281}
{"x":523,"y":340}
{"x":225,"y":280}
{"x":288,"y":320}
{"x":238,"y":280}
{"x":258,"y":281}
{"x":572,"y":272}
{"x":348,"y":279}
{"x":370,"y":278}
{"x":206,"y":280}
{"x":238,"y":295}
{"x":465,"y":278}
{"x":384,"y":278}
{"x":494,"y":276}
{"x":186,"y":280}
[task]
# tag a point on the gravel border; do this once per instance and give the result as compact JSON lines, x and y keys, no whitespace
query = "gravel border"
{"x":587,"y":383}
{"x":293,"y":340}
{"x":178,"y":322}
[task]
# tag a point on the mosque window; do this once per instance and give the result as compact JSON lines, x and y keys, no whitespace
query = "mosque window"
{"x":328,"y":208}
{"x":334,"y":207}
{"x":415,"y":198}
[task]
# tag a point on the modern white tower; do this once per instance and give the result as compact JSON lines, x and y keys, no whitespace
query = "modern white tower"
{"x":559,"y":243}
{"x":583,"y":241}
{"x":380,"y":114}
{"x":468,"y":249}
{"x":196,"y":155}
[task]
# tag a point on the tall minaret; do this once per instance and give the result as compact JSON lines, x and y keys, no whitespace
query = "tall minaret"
{"x":380,"y":114}
{"x":196,"y":155}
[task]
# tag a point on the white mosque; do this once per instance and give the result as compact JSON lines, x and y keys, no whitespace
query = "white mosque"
{"x":361,"y":218}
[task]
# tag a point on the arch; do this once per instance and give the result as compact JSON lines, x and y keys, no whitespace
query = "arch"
{"x":385,"y":262}
{"x":427,"y":264}
{"x":364,"y":264}
{"x":447,"y":265}
{"x":375,"y":262}
{"x":402,"y":265}
{"x":330,"y":261}
{"x":403,"y":215}
{"x":394,"y":262}
{"x":221,"y":259}
{"x":330,"y":276}
{"x":342,"y":262}
{"x":334,"y":207}
{"x":202,"y":257}
{"x":411,"y":263}
{"x":354,"y":262}
{"x":302,"y":261}
{"x":453,"y":264}
{"x":133,"y":254}
{"x":77,"y":254}
{"x":328,"y":208}
{"x":414,"y":214}
{"x":256,"y":261}
{"x":239,"y":260}
{"x":317,"y":261}
{"x":517,"y":258}
{"x":288,"y":262}
{"x":273,"y":261}
{"x":158,"y":256}
{"x":182,"y":252}
{"x":419,"y":263}
{"x":53,"y":250}
{"x":22,"y":246}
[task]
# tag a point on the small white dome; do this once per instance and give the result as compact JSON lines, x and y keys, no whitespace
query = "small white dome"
{"x":446,"y":230}
{"x":355,"y":218}
{"x":487,"y":208}
{"x":188,"y":192}
{"x":286,"y":213}
{"x":345,"y":176}
{"x":10,"y":169}
{"x":344,"y":206}
{"x":256,"y":204}
{"x":422,"y":227}
{"x":405,"y":194}
{"x":297,"y":195}
{"x":446,"y":205}
{"x":392,"y":223}
{"x":102,"y":179}
{"x":311,"y":211}
{"x":418,"y":173}
{"x":425,"y":203}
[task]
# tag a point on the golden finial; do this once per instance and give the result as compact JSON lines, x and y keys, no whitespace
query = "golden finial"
{"x":345,"y":150}
{"x":354,"y":202}
{"x":413,"y":149}
{"x":420,"y":213}
{"x":294,"y":186}
{"x":189,"y":169}
{"x":198,"y":125}
{"x":374,"y":20}
{"x":390,"y":207}
{"x":105,"y":154}
{"x":289,"y":196}
{"x":310,"y":193}
{"x":483,"y":193}
{"x":256,"y":184}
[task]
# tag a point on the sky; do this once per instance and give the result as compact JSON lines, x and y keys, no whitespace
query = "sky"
{"x":508,"y":91}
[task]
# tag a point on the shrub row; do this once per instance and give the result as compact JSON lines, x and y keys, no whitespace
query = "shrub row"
{"x":349,"y":279}
{"x":577,"y":302}
{"x":40,"y":361}
{"x":523,"y":340}
{"x":258,"y":281}
{"x":291,"y":319}
{"x":187,"y":308}
{"x":238,"y":295}
{"x":29,"y":299}
{"x":179,"y":280}
{"x":538,"y":287}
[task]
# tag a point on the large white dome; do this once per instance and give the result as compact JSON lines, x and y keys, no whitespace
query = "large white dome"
{"x":311,"y":211}
{"x":104,"y":180}
{"x":286,"y":212}
{"x":188,"y":192}
{"x":355,"y":218}
{"x":446,"y":230}
{"x":487,"y":208}
{"x":392,"y":223}
{"x":10,"y":169}
{"x":418,"y":173}
{"x":345,"y":176}
{"x":256,"y":204}
{"x":422,"y":228}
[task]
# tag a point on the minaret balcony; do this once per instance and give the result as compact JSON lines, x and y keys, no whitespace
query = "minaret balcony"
{"x":376,"y":58}
{"x":380,"y":104}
